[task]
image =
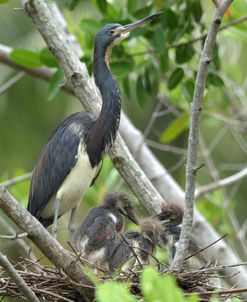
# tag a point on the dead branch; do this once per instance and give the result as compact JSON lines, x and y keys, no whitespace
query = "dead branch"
{"x":193,"y":140}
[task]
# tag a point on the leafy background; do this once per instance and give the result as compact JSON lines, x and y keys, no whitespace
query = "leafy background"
{"x":156,"y":69}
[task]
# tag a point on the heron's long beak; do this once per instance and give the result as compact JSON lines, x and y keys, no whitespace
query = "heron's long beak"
{"x":129,"y":27}
{"x":130,"y":214}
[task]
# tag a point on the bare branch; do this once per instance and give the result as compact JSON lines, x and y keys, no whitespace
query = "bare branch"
{"x":206,"y":58}
{"x":221,"y":183}
{"x":14,"y":180}
{"x":11,"y":82}
{"x":46,"y":243}
{"x":21,"y":284}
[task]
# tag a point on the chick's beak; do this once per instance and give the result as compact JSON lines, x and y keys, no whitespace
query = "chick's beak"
{"x":126,"y":29}
{"x":130,"y":215}
{"x":157,"y":240}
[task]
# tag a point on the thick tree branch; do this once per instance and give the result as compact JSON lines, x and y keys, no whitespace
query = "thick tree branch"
{"x":221,"y":183}
{"x":46,"y":243}
{"x":191,"y":168}
{"x":21,"y":284}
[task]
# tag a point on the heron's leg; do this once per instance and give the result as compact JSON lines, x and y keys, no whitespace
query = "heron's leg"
{"x":54,"y":227}
{"x":72,"y":225}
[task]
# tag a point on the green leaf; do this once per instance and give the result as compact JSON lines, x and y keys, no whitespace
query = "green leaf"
{"x":158,"y":40}
{"x":26,"y":57}
{"x":164,"y":60}
{"x":156,"y":288}
{"x":175,"y":128}
{"x":47,"y":58}
{"x":184,"y":53}
{"x":89,"y":26}
{"x":193,"y":298}
{"x":140,"y":92}
{"x":175,"y":78}
{"x":169,"y":19}
{"x":73,"y":4}
{"x":55,"y":84}
{"x":196,"y":10}
{"x":113,"y":292}
{"x":214,"y":80}
{"x":3,"y":1}
{"x":122,"y":68}
{"x":152,"y":285}
{"x":101,"y":5}
{"x":188,"y":89}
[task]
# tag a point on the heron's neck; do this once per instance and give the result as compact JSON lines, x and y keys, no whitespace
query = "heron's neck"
{"x":103,"y":131}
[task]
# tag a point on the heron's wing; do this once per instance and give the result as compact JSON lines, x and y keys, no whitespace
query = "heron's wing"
{"x":57,"y":158}
{"x":101,"y":230}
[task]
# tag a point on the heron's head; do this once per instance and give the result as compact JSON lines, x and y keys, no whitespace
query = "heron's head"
{"x":112,"y":34}
{"x":152,"y":229}
{"x":171,"y":215}
{"x":123,"y":204}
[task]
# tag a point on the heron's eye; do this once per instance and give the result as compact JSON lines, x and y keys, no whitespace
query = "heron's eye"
{"x":112,"y":31}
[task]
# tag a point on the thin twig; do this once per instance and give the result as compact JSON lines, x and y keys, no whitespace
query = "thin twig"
{"x":11,"y":82}
{"x":205,"y":248}
{"x":194,"y":134}
{"x":221,"y":183}
{"x":17,"y":179}
{"x":132,"y":249}
{"x":21,"y":284}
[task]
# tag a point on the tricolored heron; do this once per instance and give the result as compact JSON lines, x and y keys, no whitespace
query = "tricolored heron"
{"x":101,"y":228}
{"x":136,"y":247}
{"x":72,"y":158}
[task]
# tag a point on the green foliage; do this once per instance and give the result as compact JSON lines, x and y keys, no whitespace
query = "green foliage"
{"x":47,"y":58}
{"x":175,"y":78}
{"x":26,"y":57}
{"x":176,"y":127}
{"x":154,"y":288}
{"x":55,"y":83}
{"x":113,"y":292}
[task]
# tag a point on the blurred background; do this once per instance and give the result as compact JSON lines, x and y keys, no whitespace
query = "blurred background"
{"x":156,"y":68}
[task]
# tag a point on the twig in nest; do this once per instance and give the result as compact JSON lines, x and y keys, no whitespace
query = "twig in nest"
{"x":206,"y":247}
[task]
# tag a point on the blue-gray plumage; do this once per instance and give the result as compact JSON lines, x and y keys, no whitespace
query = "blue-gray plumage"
{"x":72,"y":158}
{"x":101,"y":228}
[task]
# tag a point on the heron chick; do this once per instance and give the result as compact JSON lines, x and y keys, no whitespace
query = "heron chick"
{"x":171,"y":217}
{"x":137,"y":247}
{"x":101,"y":228}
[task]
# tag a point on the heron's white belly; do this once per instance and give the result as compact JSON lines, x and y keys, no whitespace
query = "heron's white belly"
{"x":74,"y":186}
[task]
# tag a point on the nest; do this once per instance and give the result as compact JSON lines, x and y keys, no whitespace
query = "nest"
{"x":51,"y":284}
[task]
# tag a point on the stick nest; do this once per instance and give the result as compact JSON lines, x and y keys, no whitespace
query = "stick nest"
{"x":51,"y":284}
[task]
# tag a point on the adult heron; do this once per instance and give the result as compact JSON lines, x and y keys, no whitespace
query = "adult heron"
{"x":72,"y":158}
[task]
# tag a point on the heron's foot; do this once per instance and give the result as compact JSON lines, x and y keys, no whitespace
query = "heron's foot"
{"x":14,"y":237}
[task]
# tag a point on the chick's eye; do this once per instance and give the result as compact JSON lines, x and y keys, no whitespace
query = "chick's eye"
{"x":112,"y":31}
